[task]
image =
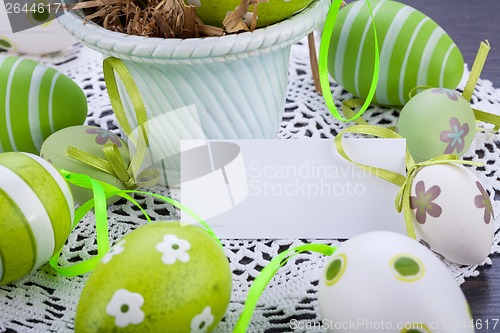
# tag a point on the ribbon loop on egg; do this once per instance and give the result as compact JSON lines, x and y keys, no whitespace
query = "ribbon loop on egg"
{"x":402,"y":201}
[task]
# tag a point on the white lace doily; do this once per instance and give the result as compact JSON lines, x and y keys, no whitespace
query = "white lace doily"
{"x":46,"y":302}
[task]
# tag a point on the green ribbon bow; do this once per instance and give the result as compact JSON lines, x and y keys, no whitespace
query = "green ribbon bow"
{"x":402,"y":201}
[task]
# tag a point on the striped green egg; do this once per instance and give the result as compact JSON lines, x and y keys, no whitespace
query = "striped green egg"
{"x":35,"y":101}
{"x":36,"y":214}
{"x":414,"y":51}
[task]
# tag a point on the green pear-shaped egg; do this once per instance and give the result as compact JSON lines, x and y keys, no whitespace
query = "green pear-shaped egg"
{"x":90,"y":140}
{"x":414,"y":51}
{"x":35,"y":101}
{"x":37,"y":213}
{"x":159,"y":278}
{"x":435,"y":122}
{"x":213,"y":12}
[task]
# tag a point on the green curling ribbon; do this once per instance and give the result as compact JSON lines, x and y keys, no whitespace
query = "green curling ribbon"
{"x":326,"y":39}
{"x":265,"y":276}
{"x":402,"y":201}
{"x":101,"y":192}
{"x":114,"y":164}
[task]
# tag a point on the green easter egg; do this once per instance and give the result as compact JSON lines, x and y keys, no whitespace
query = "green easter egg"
{"x":435,"y":122}
{"x":35,"y":101}
{"x":37,"y":213}
{"x":213,"y":12}
{"x":159,"y":278}
{"x":90,"y":140}
{"x":414,"y":51}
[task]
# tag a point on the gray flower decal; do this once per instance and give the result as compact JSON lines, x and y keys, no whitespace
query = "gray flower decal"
{"x":103,"y":136}
{"x":452,"y":94}
{"x":455,"y":137}
{"x":483,"y":201}
{"x":423,"y":202}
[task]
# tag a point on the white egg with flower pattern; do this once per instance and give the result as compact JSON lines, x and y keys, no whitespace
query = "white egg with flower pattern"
{"x":159,"y":278}
{"x":453,"y":214}
{"x":387,"y":282}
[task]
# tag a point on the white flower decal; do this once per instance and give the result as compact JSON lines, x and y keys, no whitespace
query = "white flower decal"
{"x":125,"y":306}
{"x":116,"y":249}
{"x":173,"y":249}
{"x":202,"y":322}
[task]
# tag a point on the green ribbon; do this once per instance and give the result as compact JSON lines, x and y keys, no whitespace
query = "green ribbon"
{"x":102,"y":191}
{"x":114,"y":164}
{"x":402,"y":201}
{"x":265,"y":276}
{"x":477,"y":68}
{"x":326,"y":39}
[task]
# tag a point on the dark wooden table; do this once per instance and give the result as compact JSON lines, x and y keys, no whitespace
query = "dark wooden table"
{"x":468,"y":23}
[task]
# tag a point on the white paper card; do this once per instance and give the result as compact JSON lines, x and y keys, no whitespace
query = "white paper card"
{"x":248,"y":189}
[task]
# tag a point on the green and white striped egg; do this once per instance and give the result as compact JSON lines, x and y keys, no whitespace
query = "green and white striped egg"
{"x":414,"y":51}
{"x":35,"y":101}
{"x":37,"y":214}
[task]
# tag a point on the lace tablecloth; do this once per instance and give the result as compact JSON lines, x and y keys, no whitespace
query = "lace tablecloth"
{"x":46,"y":302}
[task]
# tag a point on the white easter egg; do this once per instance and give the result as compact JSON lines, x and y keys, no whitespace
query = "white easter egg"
{"x":386,"y":282}
{"x":453,"y":215}
{"x":46,"y":35}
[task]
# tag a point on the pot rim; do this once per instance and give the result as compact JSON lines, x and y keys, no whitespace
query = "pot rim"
{"x":206,"y":49}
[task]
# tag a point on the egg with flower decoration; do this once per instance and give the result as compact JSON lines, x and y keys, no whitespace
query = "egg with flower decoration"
{"x":414,"y":51}
{"x":37,"y":214}
{"x":69,"y":148}
{"x":437,"y":121}
{"x":452,"y":213}
{"x":404,"y":288}
{"x":213,"y":12}
{"x":187,"y":288}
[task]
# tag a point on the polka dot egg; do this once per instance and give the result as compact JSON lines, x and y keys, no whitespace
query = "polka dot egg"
{"x":452,"y":212}
{"x":37,"y":214}
{"x":45,"y":34}
{"x":35,"y":101}
{"x":414,"y":51}
{"x":161,"y":277}
{"x":387,"y":282}
{"x":213,"y":12}
{"x":435,"y":122}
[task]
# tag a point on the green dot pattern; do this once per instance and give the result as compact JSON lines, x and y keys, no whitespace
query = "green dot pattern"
{"x":406,"y":267}
{"x":334,"y":269}
{"x":4,"y":44}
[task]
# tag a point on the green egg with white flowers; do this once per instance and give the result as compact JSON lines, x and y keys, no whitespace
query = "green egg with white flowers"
{"x":161,"y":277}
{"x":87,"y":140}
{"x":35,"y":101}
{"x":213,"y":12}
{"x":414,"y":51}
{"x":36,"y":217}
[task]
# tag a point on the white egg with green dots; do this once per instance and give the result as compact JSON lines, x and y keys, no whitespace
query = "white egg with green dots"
{"x":37,"y":213}
{"x":35,"y":101}
{"x":414,"y":51}
{"x":387,"y":282}
{"x":45,"y":34}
